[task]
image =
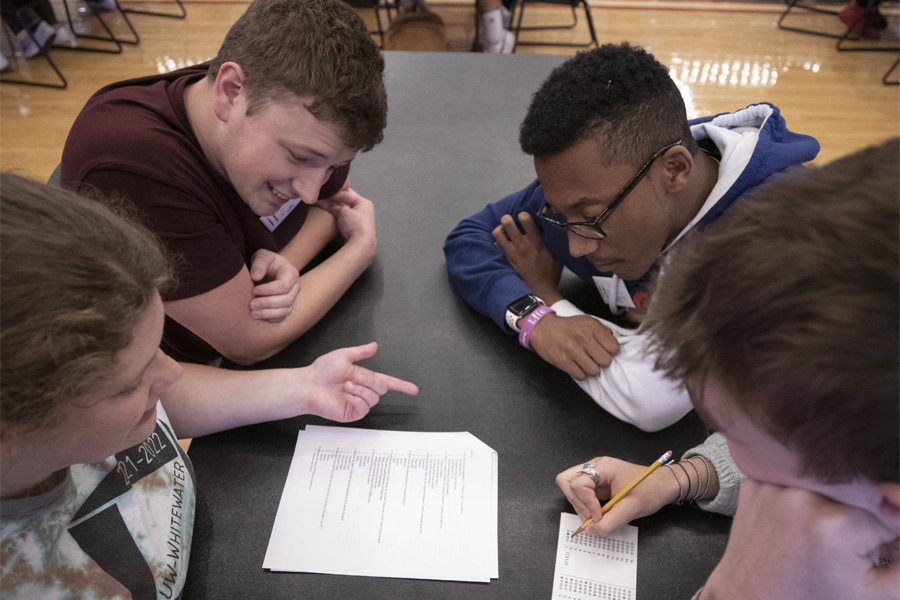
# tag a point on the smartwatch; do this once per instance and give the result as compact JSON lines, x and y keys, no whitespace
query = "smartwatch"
{"x":521,"y":307}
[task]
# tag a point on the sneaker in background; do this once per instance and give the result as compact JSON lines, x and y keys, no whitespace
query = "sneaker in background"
{"x":35,"y":37}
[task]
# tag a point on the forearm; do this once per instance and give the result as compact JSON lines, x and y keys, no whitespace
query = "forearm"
{"x":633,"y":390}
{"x":477,"y":267}
{"x":317,"y":231}
{"x":320,"y":289}
{"x":207,"y":400}
{"x":728,"y":476}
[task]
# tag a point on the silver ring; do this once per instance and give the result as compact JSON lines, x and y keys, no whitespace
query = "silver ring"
{"x":589,"y":470}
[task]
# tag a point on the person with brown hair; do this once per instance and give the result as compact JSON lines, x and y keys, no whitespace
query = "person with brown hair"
{"x":783,"y":321}
{"x":240,"y":166}
{"x":97,"y":496}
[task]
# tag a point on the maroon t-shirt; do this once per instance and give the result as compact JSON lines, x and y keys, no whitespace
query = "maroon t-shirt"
{"x":133,"y":139}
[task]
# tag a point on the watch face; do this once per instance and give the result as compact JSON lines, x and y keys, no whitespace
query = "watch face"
{"x":524,"y":304}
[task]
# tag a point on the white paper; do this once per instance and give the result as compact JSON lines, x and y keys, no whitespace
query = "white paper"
{"x":594,"y":566}
{"x":388,"y":504}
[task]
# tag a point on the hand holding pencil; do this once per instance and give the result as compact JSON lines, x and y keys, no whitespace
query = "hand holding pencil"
{"x":657,"y":488}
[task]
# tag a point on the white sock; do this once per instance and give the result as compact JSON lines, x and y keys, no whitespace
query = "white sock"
{"x":492,"y":27}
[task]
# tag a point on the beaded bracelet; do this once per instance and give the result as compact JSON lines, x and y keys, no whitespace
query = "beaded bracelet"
{"x":680,"y":487}
{"x":688,"y":477}
{"x":697,"y":595}
{"x":699,"y":479}
{"x":708,"y":474}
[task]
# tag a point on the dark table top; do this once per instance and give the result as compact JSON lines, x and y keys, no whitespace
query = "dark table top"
{"x":449,"y":149}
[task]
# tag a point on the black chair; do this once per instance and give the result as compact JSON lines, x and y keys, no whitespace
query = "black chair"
{"x":182,"y":12}
{"x":802,"y":5}
{"x":109,"y":37}
{"x":44,"y":52}
{"x":573,"y":4}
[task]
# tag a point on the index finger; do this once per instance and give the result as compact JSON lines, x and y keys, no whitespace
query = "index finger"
{"x":382,"y":383}
{"x":527,"y":223}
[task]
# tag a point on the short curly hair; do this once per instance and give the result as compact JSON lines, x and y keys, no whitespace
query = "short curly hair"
{"x":618,"y":94}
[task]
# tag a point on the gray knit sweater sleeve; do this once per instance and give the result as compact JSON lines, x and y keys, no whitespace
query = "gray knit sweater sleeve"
{"x":715,"y":450}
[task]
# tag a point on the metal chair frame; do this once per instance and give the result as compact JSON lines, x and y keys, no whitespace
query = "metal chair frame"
{"x":792,"y":4}
{"x":180,"y":15}
{"x":893,"y":68}
{"x":851,"y":36}
{"x":111,"y":38}
{"x":378,"y":6}
{"x":44,"y":51}
{"x":520,"y":5}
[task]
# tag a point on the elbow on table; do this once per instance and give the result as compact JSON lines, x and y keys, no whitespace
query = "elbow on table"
{"x":638,"y":411}
{"x":248,"y":354}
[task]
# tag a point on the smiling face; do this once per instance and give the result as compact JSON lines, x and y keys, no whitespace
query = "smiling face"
{"x":120,"y":411}
{"x":279,"y":153}
{"x":579,"y":186}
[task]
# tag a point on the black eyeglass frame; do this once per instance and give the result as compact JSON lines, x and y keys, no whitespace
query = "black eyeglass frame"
{"x":594,"y":225}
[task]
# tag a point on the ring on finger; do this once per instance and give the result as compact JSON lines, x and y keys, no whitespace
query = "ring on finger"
{"x":590,"y":470}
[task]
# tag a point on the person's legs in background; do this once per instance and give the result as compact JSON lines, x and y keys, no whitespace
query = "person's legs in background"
{"x":492,"y":34}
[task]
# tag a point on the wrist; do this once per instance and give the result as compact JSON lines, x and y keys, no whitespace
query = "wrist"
{"x":362,"y":246}
{"x":550,"y":295}
{"x":530,"y":322}
{"x":519,"y":309}
{"x":667,"y":485}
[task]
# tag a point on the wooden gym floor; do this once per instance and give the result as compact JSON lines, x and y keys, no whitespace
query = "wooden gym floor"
{"x":723,"y":55}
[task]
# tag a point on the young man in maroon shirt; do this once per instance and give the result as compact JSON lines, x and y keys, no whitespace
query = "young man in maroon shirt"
{"x":240,"y":167}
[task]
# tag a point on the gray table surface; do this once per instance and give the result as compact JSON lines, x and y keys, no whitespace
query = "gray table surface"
{"x":449,"y":149}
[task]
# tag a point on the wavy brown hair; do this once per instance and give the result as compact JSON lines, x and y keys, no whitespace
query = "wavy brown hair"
{"x":792,"y":301}
{"x":317,"y":48}
{"x":76,"y":277}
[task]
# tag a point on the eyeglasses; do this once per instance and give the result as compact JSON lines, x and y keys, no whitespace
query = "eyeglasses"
{"x":591,"y":229}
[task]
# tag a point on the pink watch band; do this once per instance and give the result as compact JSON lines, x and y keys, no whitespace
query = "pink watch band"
{"x":530,"y":321}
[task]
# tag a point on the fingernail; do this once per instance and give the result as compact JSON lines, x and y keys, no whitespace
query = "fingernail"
{"x":255,"y":314}
{"x":254,"y":304}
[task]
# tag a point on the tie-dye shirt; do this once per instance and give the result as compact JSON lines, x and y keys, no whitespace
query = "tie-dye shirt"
{"x":117,"y":529}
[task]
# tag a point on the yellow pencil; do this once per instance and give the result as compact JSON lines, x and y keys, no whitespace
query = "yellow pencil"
{"x":627,"y":490}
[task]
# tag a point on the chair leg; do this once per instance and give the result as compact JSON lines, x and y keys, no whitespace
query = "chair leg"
{"x":574,"y":3}
{"x":885,"y":80}
{"x":572,"y":25}
{"x":182,"y":12}
{"x":46,"y":54}
{"x":590,"y":23}
{"x":791,"y":4}
{"x":110,"y":37}
{"x":380,"y":28}
{"x":851,"y":36}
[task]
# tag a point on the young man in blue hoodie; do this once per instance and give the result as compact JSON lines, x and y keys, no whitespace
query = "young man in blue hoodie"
{"x":622,"y":175}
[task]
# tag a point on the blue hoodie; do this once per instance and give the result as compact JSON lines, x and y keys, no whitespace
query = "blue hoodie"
{"x":755,"y":146}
